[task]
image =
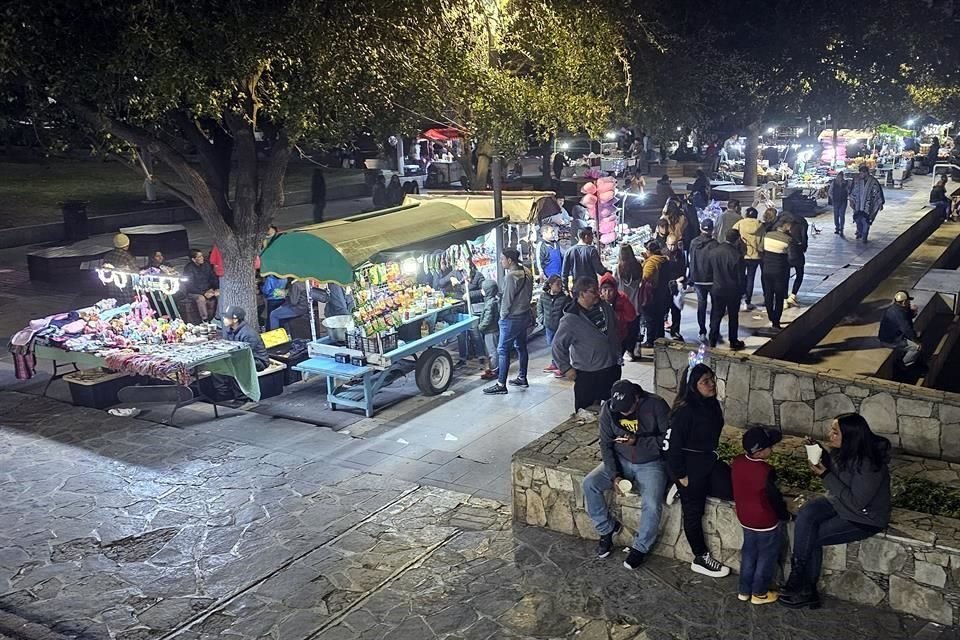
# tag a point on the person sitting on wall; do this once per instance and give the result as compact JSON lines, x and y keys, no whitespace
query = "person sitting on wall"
{"x":295,"y":306}
{"x":896,"y":330}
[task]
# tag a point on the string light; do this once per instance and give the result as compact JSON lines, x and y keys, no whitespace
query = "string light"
{"x":141,"y":282}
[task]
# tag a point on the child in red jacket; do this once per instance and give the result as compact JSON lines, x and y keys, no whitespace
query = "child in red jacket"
{"x":625,"y":312}
{"x":760,"y":509}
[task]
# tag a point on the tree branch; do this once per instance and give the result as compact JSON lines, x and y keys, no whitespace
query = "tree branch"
{"x":271,"y":193}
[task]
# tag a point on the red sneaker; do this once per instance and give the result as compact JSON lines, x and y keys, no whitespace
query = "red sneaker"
{"x":488,"y":375}
{"x":550,"y":369}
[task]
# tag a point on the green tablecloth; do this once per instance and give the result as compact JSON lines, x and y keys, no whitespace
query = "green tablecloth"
{"x":236,"y":364}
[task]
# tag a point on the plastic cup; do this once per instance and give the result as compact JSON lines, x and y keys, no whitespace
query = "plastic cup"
{"x":624,"y":485}
{"x":814,"y":453}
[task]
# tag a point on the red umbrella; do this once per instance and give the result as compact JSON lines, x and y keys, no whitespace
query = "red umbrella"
{"x":441,"y":135}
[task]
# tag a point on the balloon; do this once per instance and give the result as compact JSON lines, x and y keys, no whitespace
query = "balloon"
{"x":589,"y":187}
{"x":605,"y":196}
{"x":608,"y":208}
{"x":608,"y":226}
{"x":608,"y":238}
{"x":589,"y":200}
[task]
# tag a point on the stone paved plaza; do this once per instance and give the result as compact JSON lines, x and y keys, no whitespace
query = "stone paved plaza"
{"x":122,"y":528}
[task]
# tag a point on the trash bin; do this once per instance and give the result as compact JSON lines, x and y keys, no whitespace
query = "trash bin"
{"x":75,"y":220}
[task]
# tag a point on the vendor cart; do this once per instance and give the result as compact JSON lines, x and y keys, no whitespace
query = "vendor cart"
{"x":401,"y":323}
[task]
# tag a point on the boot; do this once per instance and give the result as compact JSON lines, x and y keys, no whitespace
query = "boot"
{"x":798,"y":593}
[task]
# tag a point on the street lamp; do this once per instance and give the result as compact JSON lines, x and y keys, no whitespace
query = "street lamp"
{"x":771,"y":130}
{"x":910,"y":122}
{"x":611,"y":135}
{"x":679,"y":128}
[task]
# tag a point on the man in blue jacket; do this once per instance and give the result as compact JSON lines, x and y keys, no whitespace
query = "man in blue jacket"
{"x":632,"y":425}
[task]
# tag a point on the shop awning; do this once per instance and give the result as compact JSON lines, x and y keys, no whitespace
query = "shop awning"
{"x":442,"y":135}
{"x":519,"y":207}
{"x":846,"y":134}
{"x":330,"y":251}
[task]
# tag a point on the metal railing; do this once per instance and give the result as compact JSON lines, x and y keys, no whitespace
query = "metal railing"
{"x":934,"y":173}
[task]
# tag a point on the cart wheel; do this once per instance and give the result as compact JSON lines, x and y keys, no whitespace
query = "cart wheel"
{"x":434,"y":371}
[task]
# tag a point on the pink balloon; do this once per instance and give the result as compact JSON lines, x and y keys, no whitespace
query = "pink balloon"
{"x":607,"y":180}
{"x":608,"y":226}
{"x":608,"y":238}
{"x":589,"y":187}
{"x":605,"y":196}
{"x":589,"y":200}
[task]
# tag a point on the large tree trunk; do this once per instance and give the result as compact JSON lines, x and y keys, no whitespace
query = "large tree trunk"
{"x":238,"y":286}
{"x":753,"y":146}
{"x":484,"y":153}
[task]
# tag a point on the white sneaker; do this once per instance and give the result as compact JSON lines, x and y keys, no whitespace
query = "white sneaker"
{"x":791,"y":301}
{"x":707,"y":565}
{"x":585,"y":415}
{"x":673,"y":493}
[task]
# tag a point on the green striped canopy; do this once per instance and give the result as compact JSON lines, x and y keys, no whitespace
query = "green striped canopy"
{"x":330,"y":251}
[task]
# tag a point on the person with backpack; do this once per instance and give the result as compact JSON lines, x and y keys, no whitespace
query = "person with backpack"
{"x":691,"y":442}
{"x":699,"y":272}
{"x":632,"y":425}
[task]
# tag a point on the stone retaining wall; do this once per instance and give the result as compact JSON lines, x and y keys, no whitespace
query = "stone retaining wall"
{"x":913,"y":568}
{"x":802,"y":400}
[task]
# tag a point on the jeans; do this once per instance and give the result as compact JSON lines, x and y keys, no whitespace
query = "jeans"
{"x":729,"y":305}
{"x":548,"y":333}
{"x":752,"y":266}
{"x":839,"y":215}
{"x":649,"y":480}
{"x":797,"y":278}
{"x":758,"y":560}
{"x":818,"y":525}
{"x":693,"y":498}
{"x":908,"y":353}
{"x":282,"y":315}
{"x":513,"y":332}
{"x":863,"y":228}
{"x":703,"y":291}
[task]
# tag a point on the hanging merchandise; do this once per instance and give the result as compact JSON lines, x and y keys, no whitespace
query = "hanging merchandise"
{"x":607,"y":209}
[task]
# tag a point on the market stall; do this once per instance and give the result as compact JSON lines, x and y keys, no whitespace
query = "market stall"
{"x":390,"y":259}
{"x":131,"y":339}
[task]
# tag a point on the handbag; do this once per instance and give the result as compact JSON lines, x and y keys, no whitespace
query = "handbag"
{"x":645,"y":293}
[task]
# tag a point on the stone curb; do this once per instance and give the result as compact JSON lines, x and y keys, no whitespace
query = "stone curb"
{"x":20,"y":629}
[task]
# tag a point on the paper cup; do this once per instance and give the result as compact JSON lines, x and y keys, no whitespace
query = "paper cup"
{"x":625,"y":485}
{"x":814,"y":453}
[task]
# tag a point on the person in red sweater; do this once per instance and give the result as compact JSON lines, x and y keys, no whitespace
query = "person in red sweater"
{"x":625,"y":312}
{"x":760,"y":509}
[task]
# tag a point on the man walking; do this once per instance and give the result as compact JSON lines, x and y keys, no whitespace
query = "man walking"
{"x":750,"y":234}
{"x":514,"y":321}
{"x":866,"y":201}
{"x":632,"y":425}
{"x":700,"y":274}
{"x":796,"y":253}
{"x":586,"y":347}
{"x":839,"y":194}
{"x":729,"y":275}
{"x":582,"y":260}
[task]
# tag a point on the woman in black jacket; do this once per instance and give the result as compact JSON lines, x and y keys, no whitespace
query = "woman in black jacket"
{"x":856,"y":475}
{"x":691,"y":446}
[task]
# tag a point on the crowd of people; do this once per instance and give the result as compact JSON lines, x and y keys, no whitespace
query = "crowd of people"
{"x":647,"y":446}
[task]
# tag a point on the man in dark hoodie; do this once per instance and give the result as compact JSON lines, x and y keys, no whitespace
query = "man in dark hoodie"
{"x":236,"y":329}
{"x":632,"y":425}
{"x":586,"y":347}
{"x":729,"y":275}
{"x":699,"y":272}
{"x":514,"y":321}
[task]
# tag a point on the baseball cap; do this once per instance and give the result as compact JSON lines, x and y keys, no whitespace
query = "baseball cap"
{"x":757,"y":438}
{"x":623,"y":395}
{"x":706,"y":225}
{"x":902,"y":296}
{"x":234,"y":312}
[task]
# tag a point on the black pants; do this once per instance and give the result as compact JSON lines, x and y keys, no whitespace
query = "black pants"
{"x":775,"y":283}
{"x":653,"y":317}
{"x":593,"y":386}
{"x":729,"y":305}
{"x":752,"y":266}
{"x":797,"y":278}
{"x":693,"y":500}
{"x":703,"y":291}
{"x":629,"y":343}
